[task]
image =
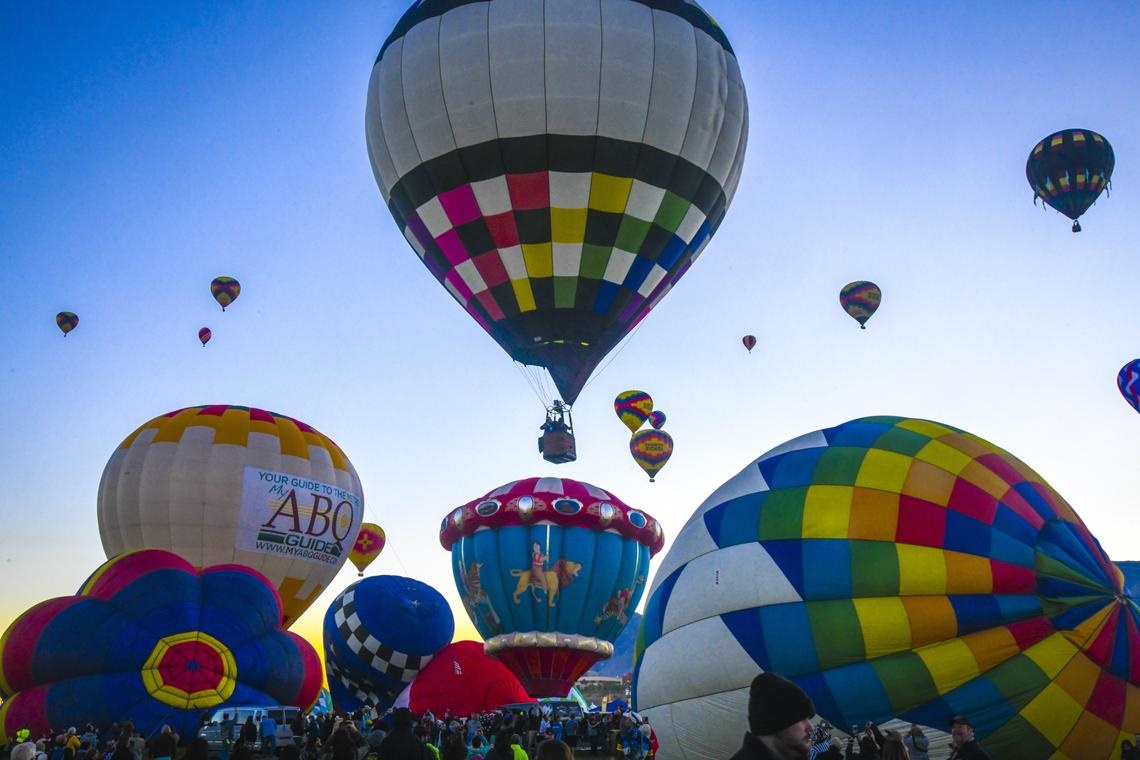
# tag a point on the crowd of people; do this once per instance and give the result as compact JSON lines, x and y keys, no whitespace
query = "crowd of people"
{"x":362,"y":735}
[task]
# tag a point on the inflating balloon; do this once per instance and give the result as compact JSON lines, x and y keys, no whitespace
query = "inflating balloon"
{"x":549,"y":570}
{"x":219,"y":483}
{"x":66,"y":321}
{"x":1128,"y":381}
{"x":369,"y":543}
{"x":1069,"y":169}
{"x":536,"y":177}
{"x":225,"y":290}
{"x":633,"y":408}
{"x":151,"y":638}
{"x":379,"y":633}
{"x":893,"y":568}
{"x":657,"y":419}
{"x":860,"y":299}
{"x":749,"y":342}
{"x":204,"y":335}
{"x":461,"y":679}
{"x":651,"y":449}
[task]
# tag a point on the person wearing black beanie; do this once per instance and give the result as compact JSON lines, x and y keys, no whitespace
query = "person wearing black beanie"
{"x":779,"y":721}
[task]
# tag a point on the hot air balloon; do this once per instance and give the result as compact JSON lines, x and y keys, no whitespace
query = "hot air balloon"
{"x":633,"y":408}
{"x":369,"y":543}
{"x":651,"y":449}
{"x":219,"y":483}
{"x":549,"y":570}
{"x":204,"y":335}
{"x":379,"y":634}
{"x":657,"y":419}
{"x":150,"y":637}
{"x":1069,"y":169}
{"x":225,"y":290}
{"x":538,"y":180}
{"x":749,"y":342}
{"x":860,"y":299}
{"x":1128,"y":381}
{"x":892,"y":567}
{"x":66,"y":321}
{"x":461,"y":679}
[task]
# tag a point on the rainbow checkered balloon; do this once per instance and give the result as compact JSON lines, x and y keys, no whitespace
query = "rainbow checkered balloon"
{"x":893,"y":568}
{"x":557,"y":166}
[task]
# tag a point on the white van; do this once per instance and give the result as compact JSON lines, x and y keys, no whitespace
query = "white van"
{"x":282,"y":716}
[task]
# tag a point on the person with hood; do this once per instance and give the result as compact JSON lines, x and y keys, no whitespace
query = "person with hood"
{"x":779,"y":721}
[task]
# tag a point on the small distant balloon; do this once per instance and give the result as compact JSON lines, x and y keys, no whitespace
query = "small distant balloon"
{"x":204,"y":335}
{"x":860,"y":299}
{"x":1069,"y":170}
{"x":651,"y":449}
{"x":225,"y":290}
{"x":369,"y":543}
{"x":749,"y":342}
{"x":657,"y":419}
{"x":633,"y":408}
{"x":67,"y":321}
{"x":1128,"y":381}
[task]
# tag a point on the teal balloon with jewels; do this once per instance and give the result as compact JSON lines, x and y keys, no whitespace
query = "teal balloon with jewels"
{"x":550,"y":571}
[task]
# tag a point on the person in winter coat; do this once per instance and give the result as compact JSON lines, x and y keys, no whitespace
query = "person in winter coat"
{"x":779,"y":721}
{"x":917,"y":744}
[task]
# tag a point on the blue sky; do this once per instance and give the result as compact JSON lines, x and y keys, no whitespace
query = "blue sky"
{"x":148,"y":148}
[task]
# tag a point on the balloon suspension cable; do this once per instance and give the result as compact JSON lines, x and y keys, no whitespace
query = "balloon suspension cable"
{"x":610,"y":360}
{"x":534,"y":380}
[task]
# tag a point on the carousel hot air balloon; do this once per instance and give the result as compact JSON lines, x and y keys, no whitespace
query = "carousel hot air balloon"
{"x":204,"y":335}
{"x":1128,"y":381}
{"x":557,"y":167}
{"x":549,"y":570}
{"x":657,"y":419}
{"x":66,"y":321}
{"x":225,"y":290}
{"x":860,"y":299}
{"x":151,"y":638}
{"x":893,"y":568}
{"x":749,"y":342}
{"x":1069,"y":169}
{"x":651,"y":449}
{"x":633,"y":408}
{"x":219,"y":483}
{"x":369,"y":543}
{"x":379,"y":634}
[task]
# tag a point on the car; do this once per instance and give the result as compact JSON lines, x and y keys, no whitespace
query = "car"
{"x":281,"y":714}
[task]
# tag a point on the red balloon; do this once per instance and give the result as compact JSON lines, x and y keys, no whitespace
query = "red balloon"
{"x":749,"y":342}
{"x":204,"y":335}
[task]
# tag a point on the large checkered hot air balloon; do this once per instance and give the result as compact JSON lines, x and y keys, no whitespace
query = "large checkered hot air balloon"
{"x":379,"y":633}
{"x":557,"y":164}
{"x":219,"y":483}
{"x":150,"y":638}
{"x":893,"y":567}
{"x":549,"y":570}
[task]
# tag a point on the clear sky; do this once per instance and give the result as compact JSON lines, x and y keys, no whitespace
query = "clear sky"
{"x":146,"y":148}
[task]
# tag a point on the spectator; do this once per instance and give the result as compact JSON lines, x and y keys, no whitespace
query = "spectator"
{"x":268,"y":731}
{"x":516,"y":747}
{"x":163,"y":746}
{"x":199,"y":749}
{"x":779,"y":721}
{"x":966,"y":746}
{"x":401,"y":743}
{"x":553,"y":749}
{"x":917,"y":743}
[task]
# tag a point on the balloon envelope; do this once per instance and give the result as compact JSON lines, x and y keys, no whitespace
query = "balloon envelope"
{"x":369,"y":543}
{"x":657,"y":419}
{"x":151,"y":638}
{"x":651,"y":450}
{"x":860,"y":299}
{"x":225,"y":290}
{"x":892,"y":567}
{"x":749,"y":342}
{"x":219,"y":483}
{"x":463,"y":680}
{"x":204,"y":335}
{"x":536,"y":177}
{"x":1128,"y":382}
{"x":549,"y":570}
{"x":633,"y":408}
{"x":1069,"y":170}
{"x":66,"y":321}
{"x":378,"y":634}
